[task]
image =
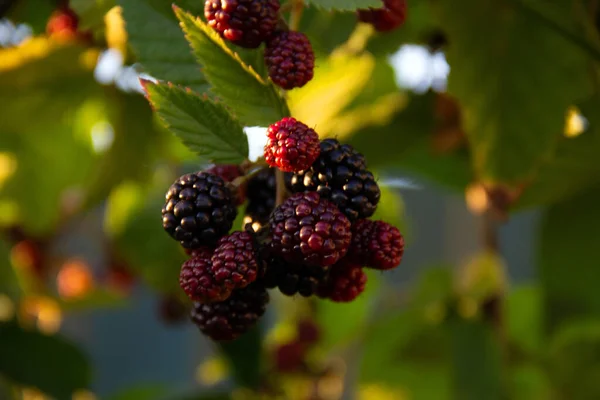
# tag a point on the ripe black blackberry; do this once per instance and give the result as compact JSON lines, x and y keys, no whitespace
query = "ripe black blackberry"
{"x":261,"y":196}
{"x":291,"y":278}
{"x":233,"y":317}
{"x":308,"y":230}
{"x":246,"y":23}
{"x":199,"y":210}
{"x":340,"y":174}
{"x":229,"y":172}
{"x":290,"y":59}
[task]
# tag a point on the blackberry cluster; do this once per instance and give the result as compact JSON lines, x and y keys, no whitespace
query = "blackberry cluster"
{"x":288,"y":55}
{"x":340,"y":173}
{"x":312,"y":235}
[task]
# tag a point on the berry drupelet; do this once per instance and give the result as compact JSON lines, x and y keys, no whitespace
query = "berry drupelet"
{"x":197,"y":281}
{"x":345,"y":281}
{"x":199,"y":210}
{"x":340,"y":174}
{"x":261,"y":196}
{"x":292,"y":278}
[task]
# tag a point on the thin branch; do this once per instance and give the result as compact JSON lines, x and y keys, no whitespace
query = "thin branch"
{"x":280,"y":187}
{"x":296,"y":14}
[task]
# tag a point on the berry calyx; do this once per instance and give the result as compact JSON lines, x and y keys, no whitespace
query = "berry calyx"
{"x":291,"y":145}
{"x":376,"y":244}
{"x":306,"y":229}
{"x":199,"y":210}
{"x":340,"y":174}
{"x":234,"y":263}
{"x":198,"y":283}
{"x":391,"y":16}
{"x":346,"y":280}
{"x":246,"y":23}
{"x":290,"y":59}
{"x":231,"y":318}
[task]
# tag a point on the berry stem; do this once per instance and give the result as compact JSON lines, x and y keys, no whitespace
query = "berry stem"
{"x":249,"y":175}
{"x":296,"y":14}
{"x":280,"y":187}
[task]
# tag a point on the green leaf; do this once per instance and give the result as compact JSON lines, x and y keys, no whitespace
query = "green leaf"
{"x":159,"y":44}
{"x":96,"y":299}
{"x":514,"y":92}
{"x":573,"y":354}
{"x":326,"y":30}
{"x":569,"y":243}
{"x":254,"y":101}
{"x":524,"y":318}
{"x":35,"y":13}
{"x":345,"y":4}
{"x":339,"y":79}
{"x":477,"y":361}
{"x":341,"y":324}
{"x":244,"y":357}
{"x":49,"y":363}
{"x":202,"y":124}
{"x":572,"y":168}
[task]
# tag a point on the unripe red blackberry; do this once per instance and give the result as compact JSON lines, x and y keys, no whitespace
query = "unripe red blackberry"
{"x":234,"y":262}
{"x":291,"y":145}
{"x":233,"y":317}
{"x":199,"y":210}
{"x":197,"y":281}
{"x":389,"y":17}
{"x":228,"y":172}
{"x":289,"y":357}
{"x":345,"y":281}
{"x":340,"y":174}
{"x":307,"y":229}
{"x":261,"y":196}
{"x":376,"y":244}
{"x":293,"y":278}
{"x":246,"y":23}
{"x":290,"y":59}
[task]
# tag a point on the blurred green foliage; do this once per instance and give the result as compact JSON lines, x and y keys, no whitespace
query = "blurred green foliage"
{"x":520,"y":118}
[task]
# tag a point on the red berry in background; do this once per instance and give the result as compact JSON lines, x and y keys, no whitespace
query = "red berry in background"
{"x":289,"y":357}
{"x":290,"y":59}
{"x":391,"y":16}
{"x":308,"y":332}
{"x":234,"y":263}
{"x":229,"y":172}
{"x":246,"y":23}
{"x":306,"y":229}
{"x":346,"y":280}
{"x":376,"y":244}
{"x":63,"y":23}
{"x":198,"y":283}
{"x":291,"y":145}
{"x":227,"y":320}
